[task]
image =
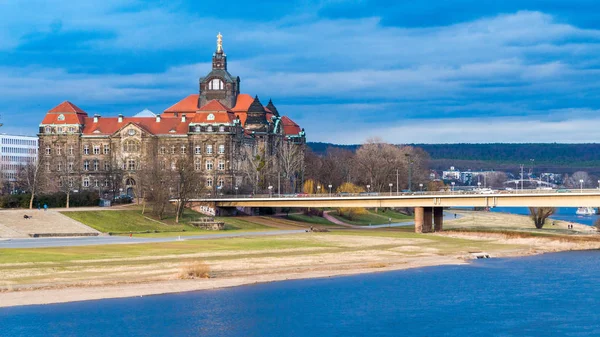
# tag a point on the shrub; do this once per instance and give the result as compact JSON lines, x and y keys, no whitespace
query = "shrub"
{"x":195,"y":269}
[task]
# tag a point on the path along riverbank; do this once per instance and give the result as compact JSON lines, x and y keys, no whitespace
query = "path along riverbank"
{"x":65,"y":274}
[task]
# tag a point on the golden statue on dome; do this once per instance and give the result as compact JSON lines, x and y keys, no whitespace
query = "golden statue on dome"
{"x":219,"y":43}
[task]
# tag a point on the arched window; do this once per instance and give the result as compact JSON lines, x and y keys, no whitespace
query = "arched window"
{"x":209,"y":182}
{"x":215,"y":84}
{"x":220,"y":183}
{"x":48,"y":129}
{"x":197,"y":128}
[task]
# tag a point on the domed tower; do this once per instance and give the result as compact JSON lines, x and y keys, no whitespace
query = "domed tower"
{"x":219,"y":84}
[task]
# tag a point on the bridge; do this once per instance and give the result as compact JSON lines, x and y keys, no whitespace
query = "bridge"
{"x":428,"y":206}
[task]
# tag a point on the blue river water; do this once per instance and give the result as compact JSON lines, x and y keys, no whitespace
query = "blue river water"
{"x":562,"y":213}
{"x":547,"y":295}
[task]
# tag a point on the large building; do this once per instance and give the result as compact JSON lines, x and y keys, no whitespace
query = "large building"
{"x":15,"y":153}
{"x":219,"y":128}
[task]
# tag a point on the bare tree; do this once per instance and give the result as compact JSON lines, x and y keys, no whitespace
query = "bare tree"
{"x":540,"y":214}
{"x":577,"y":179}
{"x":188,"y":182}
{"x":290,"y":164}
{"x":31,"y":178}
{"x":377,"y":162}
{"x":158,"y":182}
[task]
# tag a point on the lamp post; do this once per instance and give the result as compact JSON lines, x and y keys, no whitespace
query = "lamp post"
{"x":452,"y":186}
{"x":368,"y":188}
{"x":236,"y":190}
{"x":478,"y":185}
{"x":318,"y":189}
{"x":410,"y":163}
{"x":598,"y":184}
{"x":391,"y":188}
{"x":522,"y":176}
{"x":580,"y":185}
{"x":329,"y":190}
{"x":421,"y":187}
{"x":516,"y":186}
{"x":270,"y":190}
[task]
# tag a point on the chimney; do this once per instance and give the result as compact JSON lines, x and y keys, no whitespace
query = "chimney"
{"x":96,"y":116}
{"x":183,"y":118}
{"x":120,"y":118}
{"x":157,"y":119}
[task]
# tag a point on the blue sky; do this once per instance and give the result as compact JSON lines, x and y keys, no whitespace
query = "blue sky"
{"x":406,"y":71}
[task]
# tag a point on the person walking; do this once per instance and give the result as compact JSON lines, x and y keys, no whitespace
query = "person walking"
{"x":45,"y":207}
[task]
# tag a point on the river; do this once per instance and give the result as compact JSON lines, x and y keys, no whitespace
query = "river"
{"x":562,"y":213}
{"x":546,"y":295}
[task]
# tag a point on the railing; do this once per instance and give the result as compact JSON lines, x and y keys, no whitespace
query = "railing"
{"x":404,"y":194}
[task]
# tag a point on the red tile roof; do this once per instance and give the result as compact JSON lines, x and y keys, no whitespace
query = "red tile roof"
{"x":188,"y":104}
{"x":110,"y":125}
{"x":67,"y":107}
{"x":214,"y":105}
{"x":289,"y":126}
{"x":68,"y":118}
{"x":242,"y":103}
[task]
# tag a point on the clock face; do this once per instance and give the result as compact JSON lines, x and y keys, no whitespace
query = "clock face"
{"x":131,"y":132}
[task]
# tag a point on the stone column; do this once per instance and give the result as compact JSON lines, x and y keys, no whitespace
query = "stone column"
{"x":427,"y":220}
{"x":423,"y":217}
{"x":419,"y":212}
{"x":438,"y":218}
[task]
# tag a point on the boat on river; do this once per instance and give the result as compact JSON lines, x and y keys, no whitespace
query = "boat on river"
{"x":586,"y":211}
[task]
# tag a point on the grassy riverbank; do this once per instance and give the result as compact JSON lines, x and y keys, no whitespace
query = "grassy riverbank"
{"x":47,"y":275}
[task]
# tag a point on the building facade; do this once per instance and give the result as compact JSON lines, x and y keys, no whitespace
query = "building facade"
{"x":220,"y":129}
{"x":15,"y":153}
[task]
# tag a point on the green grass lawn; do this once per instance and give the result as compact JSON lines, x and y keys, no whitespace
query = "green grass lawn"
{"x":126,"y":221}
{"x":317,"y":220}
{"x":380,"y":218}
{"x":390,"y":213}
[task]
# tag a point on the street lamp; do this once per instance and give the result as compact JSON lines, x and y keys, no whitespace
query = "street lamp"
{"x":421,"y":187}
{"x":270,"y":190}
{"x":452,"y":186}
{"x":478,"y":185}
{"x":516,"y":186}
{"x":580,"y":185}
{"x":329,"y":190}
{"x":236,"y":190}
{"x":391,"y":188}
{"x":410,"y":164}
{"x":368,"y":188}
{"x":318,"y":189}
{"x":598,"y":184}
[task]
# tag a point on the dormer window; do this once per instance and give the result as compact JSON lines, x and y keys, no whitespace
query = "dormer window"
{"x":210,"y":117}
{"x":197,"y":128}
{"x":48,"y":129}
{"x":61,"y":117}
{"x":209,"y":128}
{"x":215,"y":84}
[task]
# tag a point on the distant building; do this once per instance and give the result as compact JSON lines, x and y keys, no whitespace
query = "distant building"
{"x":452,"y":174}
{"x":15,"y":152}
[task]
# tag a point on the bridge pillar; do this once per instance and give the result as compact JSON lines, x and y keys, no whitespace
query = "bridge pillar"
{"x":423,"y":217}
{"x":438,"y":218}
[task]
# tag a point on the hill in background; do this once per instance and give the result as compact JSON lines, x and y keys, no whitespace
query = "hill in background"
{"x":553,"y":157}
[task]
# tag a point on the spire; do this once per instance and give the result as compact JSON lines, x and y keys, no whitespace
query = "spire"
{"x":219,"y":43}
{"x":272,"y":108}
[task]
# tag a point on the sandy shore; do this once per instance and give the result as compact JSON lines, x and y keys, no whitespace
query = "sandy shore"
{"x":329,"y":255}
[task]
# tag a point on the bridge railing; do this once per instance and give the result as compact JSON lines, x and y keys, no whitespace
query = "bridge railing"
{"x":393,"y":193}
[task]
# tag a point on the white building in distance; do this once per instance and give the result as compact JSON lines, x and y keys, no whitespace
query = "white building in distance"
{"x":15,"y":152}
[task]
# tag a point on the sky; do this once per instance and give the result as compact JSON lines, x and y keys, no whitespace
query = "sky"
{"x":440,"y":71}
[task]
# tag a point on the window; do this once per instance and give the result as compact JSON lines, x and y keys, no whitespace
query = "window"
{"x":161,"y":150}
{"x":70,"y":182}
{"x":48,"y":167}
{"x":71,"y":150}
{"x":96,"y":149}
{"x":58,"y":151}
{"x":162,"y":165}
{"x":96,"y":164}
{"x":105,"y":182}
{"x":60,"y":183}
{"x":209,"y":128}
{"x":209,"y":182}
{"x":197,"y":128}
{"x":106,"y":149}
{"x":173,"y":166}
{"x":221,"y":128}
{"x":220,"y":183}
{"x":48,"y":150}
{"x":106,"y":166}
{"x":86,"y":149}
{"x":59,"y":167}
{"x":71,"y":166}
{"x":221,"y":166}
{"x":172,"y":149}
{"x":61,"y":117}
{"x":208,"y":149}
{"x":86,"y":165}
{"x":221,"y":149}
{"x":198,"y":165}
{"x":71,"y":129}
{"x":210,"y":117}
{"x":86,"y":182}
{"x":48,"y":129}
{"x":60,"y":129}
{"x":182,"y":149}
{"x":209,"y":165}
{"x":131,"y":146}
{"x":215,"y":84}
{"x":131,"y":164}
{"x":197,"y":149}
{"x":96,"y":184}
